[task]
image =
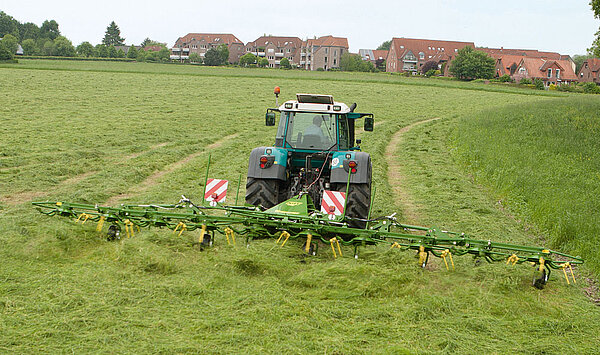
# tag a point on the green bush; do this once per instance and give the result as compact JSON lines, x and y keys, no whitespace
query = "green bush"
{"x":539,"y":84}
{"x":505,"y":79}
{"x":591,"y":88}
{"x":320,"y":69}
{"x":525,"y":81}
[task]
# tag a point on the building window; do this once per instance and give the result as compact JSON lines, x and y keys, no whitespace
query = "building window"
{"x":335,"y":53}
{"x":334,"y":62}
{"x":557,"y":73}
{"x":326,"y":50}
{"x":325,"y":59}
{"x":549,"y":72}
{"x":456,"y":49}
{"x":401,"y":47}
{"x":421,"y":55}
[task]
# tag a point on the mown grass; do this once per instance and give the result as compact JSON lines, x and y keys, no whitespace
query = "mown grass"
{"x":543,"y":161}
{"x":89,"y":135}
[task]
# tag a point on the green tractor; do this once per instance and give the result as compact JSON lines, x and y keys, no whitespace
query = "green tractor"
{"x":315,"y":150}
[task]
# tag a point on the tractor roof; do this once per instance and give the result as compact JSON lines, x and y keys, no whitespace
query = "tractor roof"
{"x":314,"y":103}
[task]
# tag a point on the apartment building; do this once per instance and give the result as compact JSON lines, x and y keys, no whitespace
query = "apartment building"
{"x":200,"y":43}
{"x":323,"y":52}
{"x":409,"y":54}
{"x":275,"y":48}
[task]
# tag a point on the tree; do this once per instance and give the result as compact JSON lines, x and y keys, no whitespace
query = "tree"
{"x":29,"y":30}
{"x":132,"y":52}
{"x":263,"y":62}
{"x":164,"y":54}
{"x":141,"y":55}
{"x":285,"y":63}
{"x":385,"y":45}
{"x":594,"y":50}
{"x":8,"y":25}
{"x":112,"y":51}
{"x":10,"y":42}
{"x":29,"y":47}
{"x":49,"y":30}
{"x":247,"y":59}
{"x":430,"y":65}
{"x":102,"y":51}
{"x":85,"y":49}
{"x":354,"y":62}
{"x":63,"y":47}
{"x":223,"y":53}
{"x":148,"y":42}
{"x":214,"y":57}
{"x":112,"y":36}
{"x":48,"y":47}
{"x":472,"y":64}
{"x":5,"y":54}
{"x":195,"y":58}
{"x":579,"y":59}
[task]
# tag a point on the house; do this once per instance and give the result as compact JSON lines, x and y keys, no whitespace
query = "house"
{"x":200,"y":43}
{"x":590,"y":71}
{"x":409,"y":54}
{"x":511,"y":54}
{"x":550,"y":71}
{"x":274,"y":48}
{"x":323,"y":52}
{"x":506,"y":64}
{"x":375,"y":56}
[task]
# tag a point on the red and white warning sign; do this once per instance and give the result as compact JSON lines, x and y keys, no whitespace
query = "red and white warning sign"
{"x":333,"y":203}
{"x":216,"y":191}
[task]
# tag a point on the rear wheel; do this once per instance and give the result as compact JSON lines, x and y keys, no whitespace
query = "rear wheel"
{"x":262,"y":192}
{"x":359,"y":200}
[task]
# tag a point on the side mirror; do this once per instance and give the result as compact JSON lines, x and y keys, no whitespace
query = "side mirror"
{"x":369,"y":123}
{"x":270,"y":119}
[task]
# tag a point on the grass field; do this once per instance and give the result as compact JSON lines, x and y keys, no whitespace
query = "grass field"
{"x":98,"y":132}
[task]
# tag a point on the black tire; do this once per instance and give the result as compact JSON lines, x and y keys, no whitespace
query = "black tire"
{"x":359,"y":201}
{"x":114,"y":233}
{"x":262,"y":192}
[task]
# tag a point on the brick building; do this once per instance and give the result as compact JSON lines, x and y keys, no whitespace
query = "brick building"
{"x":550,"y":71}
{"x":590,"y":71}
{"x":274,"y":48}
{"x":323,"y":52}
{"x":200,"y":43}
{"x":409,"y":54}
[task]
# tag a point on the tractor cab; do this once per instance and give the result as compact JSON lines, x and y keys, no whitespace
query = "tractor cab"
{"x":316,"y":122}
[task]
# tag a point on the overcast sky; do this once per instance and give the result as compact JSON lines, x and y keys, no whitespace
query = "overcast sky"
{"x":565,"y":26}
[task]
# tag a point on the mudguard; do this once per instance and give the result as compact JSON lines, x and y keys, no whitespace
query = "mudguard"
{"x":363,"y":167}
{"x":276,"y":170}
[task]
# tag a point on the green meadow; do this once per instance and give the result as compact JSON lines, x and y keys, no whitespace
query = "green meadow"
{"x":501,"y":163}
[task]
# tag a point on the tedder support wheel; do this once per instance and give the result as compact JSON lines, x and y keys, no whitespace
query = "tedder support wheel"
{"x":114,"y":232}
{"x":359,"y":200}
{"x":262,"y":192}
{"x":540,"y":282}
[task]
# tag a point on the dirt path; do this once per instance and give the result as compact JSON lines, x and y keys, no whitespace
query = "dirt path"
{"x":395,"y":176}
{"x":153,"y":179}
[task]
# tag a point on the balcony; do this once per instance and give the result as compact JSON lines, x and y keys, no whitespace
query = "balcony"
{"x":279,"y":54}
{"x":261,"y":54}
{"x":186,"y":49}
{"x":277,"y":62}
{"x":175,"y":49}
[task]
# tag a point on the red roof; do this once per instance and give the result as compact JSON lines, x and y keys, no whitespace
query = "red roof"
{"x":216,"y":38}
{"x":276,"y":40}
{"x":380,"y":53}
{"x":153,"y":48}
{"x":593,"y":64}
{"x":328,"y":41}
{"x":501,"y":52}
{"x":537,"y":67}
{"x":429,"y":47}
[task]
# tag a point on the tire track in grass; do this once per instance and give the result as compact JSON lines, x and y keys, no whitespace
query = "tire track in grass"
{"x":26,"y":196}
{"x":396,"y":178}
{"x":152,"y":180}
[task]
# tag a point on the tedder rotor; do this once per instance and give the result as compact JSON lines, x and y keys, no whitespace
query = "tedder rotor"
{"x":312,"y":186}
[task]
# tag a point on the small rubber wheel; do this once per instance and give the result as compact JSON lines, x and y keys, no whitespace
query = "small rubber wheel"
{"x":540,"y":282}
{"x":207,"y":241}
{"x":114,"y":233}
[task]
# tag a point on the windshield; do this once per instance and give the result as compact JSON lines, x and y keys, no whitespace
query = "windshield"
{"x":309,"y":130}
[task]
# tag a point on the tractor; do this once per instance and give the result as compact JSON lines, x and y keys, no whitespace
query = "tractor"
{"x":315,"y":150}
